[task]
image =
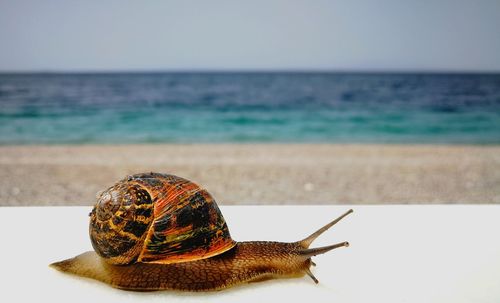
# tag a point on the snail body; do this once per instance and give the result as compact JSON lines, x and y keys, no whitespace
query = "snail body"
{"x":157,"y":232}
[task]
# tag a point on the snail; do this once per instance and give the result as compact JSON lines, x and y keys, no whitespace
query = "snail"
{"x":156,"y":231}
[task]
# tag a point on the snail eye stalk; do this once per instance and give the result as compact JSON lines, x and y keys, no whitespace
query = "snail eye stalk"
{"x":311,"y":252}
{"x":306,"y":252}
{"x":305,"y":243}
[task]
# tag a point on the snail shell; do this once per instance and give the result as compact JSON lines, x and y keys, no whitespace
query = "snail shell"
{"x":157,"y":218}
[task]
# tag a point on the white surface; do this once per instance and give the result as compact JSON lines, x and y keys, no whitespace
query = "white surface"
{"x":397,"y":254}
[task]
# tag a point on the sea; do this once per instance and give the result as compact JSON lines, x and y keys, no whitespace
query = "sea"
{"x":226,"y":107}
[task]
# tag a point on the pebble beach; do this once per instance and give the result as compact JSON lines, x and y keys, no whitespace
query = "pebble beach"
{"x":238,"y":174}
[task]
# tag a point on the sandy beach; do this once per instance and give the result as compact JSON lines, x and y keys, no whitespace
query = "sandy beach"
{"x":259,"y":173}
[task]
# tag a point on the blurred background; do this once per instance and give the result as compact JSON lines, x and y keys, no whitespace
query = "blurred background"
{"x":261,"y":102}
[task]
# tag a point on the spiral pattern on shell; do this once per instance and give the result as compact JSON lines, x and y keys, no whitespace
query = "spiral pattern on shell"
{"x":157,"y":218}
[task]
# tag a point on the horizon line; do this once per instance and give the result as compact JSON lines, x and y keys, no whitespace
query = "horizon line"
{"x":250,"y":70}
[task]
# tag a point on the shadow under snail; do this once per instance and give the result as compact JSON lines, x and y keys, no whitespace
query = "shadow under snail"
{"x":156,"y":231}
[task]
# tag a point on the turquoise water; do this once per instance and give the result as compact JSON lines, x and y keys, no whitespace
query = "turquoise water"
{"x":249,"y":107}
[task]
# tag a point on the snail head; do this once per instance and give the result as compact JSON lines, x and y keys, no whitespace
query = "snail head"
{"x":304,"y":252}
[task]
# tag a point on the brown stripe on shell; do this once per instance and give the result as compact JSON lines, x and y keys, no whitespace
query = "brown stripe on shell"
{"x":188,"y":224}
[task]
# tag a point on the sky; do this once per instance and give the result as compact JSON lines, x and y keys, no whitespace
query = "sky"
{"x":103,"y":35}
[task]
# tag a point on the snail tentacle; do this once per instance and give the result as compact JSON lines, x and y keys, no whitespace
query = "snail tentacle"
{"x":308,"y":240}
